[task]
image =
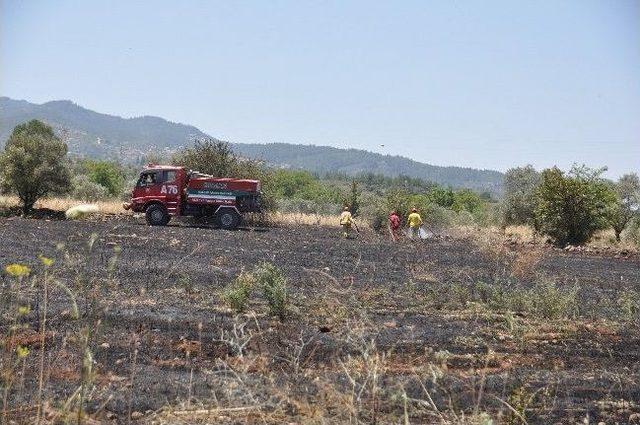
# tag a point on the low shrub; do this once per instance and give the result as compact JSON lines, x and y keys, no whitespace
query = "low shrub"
{"x":236,"y":294}
{"x":271,"y":281}
{"x":434,"y":215}
{"x":274,"y":288}
{"x":551,"y":302}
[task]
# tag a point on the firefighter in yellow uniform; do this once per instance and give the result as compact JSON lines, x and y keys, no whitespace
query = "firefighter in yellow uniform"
{"x":415,"y":221}
{"x":346,"y":220}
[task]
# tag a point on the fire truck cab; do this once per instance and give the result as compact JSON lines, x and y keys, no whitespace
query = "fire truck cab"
{"x":165,"y":191}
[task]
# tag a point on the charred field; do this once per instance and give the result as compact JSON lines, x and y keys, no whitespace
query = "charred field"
{"x":450,"y":330}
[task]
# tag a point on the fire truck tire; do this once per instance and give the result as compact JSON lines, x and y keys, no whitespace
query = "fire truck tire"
{"x":157,"y":215}
{"x":228,"y":218}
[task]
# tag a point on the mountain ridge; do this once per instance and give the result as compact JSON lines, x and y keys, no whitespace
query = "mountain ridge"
{"x":95,"y":134}
{"x":328,"y":159}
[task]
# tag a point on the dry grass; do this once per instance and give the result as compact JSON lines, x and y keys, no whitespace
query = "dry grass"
{"x":296,"y":219}
{"x":115,"y":207}
{"x":63,"y":204}
{"x":606,"y":239}
{"x":522,"y":234}
{"x":505,"y":259}
{"x":602,"y":240}
{"x":525,"y":263}
{"x":464,"y":232}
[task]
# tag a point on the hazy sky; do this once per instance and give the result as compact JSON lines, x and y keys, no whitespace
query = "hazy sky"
{"x":487,"y":84}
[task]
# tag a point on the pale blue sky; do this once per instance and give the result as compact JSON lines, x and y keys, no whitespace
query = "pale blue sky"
{"x":487,"y":84}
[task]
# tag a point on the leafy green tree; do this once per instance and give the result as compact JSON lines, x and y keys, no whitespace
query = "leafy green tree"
{"x":467,"y":200}
{"x":34,"y":163}
{"x":216,"y":158}
{"x":209,"y":156}
{"x":299,"y":184}
{"x":441,"y":196}
{"x":293,"y":183}
{"x":627,"y":190}
{"x":572,"y":207}
{"x":397,"y":200}
{"x":520,"y":185}
{"x":107,"y":174}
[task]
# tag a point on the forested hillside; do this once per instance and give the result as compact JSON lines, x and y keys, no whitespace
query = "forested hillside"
{"x":324,"y":159}
{"x":132,"y":140}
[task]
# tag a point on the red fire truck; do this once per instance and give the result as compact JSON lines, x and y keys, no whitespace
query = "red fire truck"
{"x":165,"y":191}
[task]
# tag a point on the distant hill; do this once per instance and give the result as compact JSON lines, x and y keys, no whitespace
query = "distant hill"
{"x":94,"y":134}
{"x":325,"y":159}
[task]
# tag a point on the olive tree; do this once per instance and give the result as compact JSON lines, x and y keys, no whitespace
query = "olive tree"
{"x":627,"y":190}
{"x":520,"y":184}
{"x":572,"y":207}
{"x":34,"y":164}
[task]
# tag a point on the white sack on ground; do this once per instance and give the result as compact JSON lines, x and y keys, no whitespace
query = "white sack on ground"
{"x":422,"y":234}
{"x":81,"y":211}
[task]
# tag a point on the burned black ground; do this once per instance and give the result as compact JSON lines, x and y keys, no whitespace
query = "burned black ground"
{"x":163,"y":298}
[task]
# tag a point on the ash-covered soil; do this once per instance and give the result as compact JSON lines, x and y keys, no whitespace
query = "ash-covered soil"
{"x":161,"y":340}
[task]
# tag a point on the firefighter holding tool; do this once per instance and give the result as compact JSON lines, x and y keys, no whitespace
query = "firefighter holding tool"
{"x":415,"y":222}
{"x":346,"y":221}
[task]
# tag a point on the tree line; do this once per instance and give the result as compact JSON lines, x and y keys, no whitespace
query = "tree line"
{"x":569,"y":207}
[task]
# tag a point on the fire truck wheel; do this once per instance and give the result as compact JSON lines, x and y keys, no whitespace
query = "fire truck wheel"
{"x":157,"y":215}
{"x":228,"y":218}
